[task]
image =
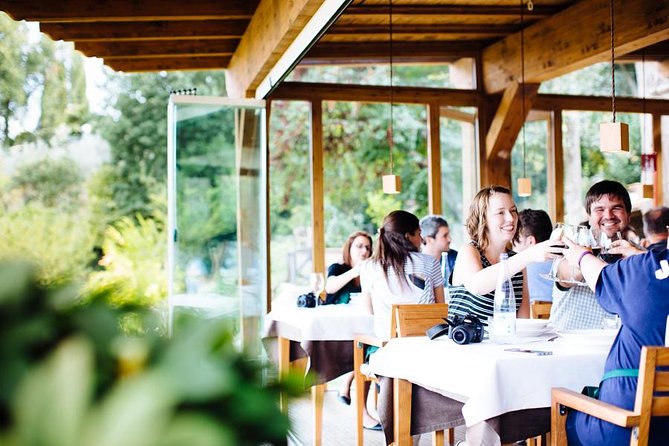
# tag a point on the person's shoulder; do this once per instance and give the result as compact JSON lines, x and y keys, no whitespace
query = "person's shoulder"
{"x":337,"y":268}
{"x":425,"y":258}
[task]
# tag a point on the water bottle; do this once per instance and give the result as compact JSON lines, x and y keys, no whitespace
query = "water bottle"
{"x":445,"y":270}
{"x":504,"y":314}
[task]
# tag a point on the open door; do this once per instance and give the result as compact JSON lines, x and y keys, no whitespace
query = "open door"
{"x":216,"y":212}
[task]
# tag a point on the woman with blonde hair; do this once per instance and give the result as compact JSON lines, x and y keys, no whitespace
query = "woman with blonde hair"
{"x":492,"y":225}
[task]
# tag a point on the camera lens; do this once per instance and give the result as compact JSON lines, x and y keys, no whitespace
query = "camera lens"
{"x":460,"y":336}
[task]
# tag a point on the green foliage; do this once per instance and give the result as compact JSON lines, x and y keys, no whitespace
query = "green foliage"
{"x":54,"y":94}
{"x":72,"y":377}
{"x":58,"y":240}
{"x":133,"y":263}
{"x":49,"y":182}
{"x":77,"y":112}
{"x":19,"y":68}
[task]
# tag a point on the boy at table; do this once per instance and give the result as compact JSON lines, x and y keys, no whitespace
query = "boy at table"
{"x":635,"y":288}
{"x":608,"y":206}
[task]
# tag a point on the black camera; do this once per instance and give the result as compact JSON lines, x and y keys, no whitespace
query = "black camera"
{"x":306,"y":300}
{"x":465,"y":330}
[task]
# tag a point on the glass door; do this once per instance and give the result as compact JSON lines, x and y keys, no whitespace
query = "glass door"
{"x":216,"y":211}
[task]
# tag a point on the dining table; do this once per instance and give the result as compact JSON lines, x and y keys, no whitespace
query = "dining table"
{"x":500,"y":392}
{"x":324,"y":336}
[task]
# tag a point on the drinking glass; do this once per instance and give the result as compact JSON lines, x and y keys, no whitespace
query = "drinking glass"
{"x":606,"y":245}
{"x":596,"y":241}
{"x":317,"y":284}
{"x":559,"y":230}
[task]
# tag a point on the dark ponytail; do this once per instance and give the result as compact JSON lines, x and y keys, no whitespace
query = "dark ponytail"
{"x":393,"y":248}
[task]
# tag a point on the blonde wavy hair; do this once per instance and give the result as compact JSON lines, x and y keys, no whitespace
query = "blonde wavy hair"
{"x":476,"y":223}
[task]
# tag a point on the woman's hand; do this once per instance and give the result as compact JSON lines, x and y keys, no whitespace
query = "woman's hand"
{"x":545,"y":250}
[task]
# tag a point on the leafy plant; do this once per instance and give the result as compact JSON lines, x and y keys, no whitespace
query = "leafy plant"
{"x":72,"y":377}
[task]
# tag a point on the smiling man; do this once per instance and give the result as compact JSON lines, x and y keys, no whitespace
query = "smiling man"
{"x":574,"y":307}
{"x":437,"y":242}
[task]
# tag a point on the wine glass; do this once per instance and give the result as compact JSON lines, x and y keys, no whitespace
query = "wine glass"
{"x":559,"y":230}
{"x":317,"y":284}
{"x":607,"y":241}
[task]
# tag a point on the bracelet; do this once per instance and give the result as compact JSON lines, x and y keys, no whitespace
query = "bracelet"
{"x":583,"y":254}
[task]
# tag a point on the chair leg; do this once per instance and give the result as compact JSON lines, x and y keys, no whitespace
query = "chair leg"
{"x":402,"y":412}
{"x":360,"y":402}
{"x":438,"y":438}
{"x":284,"y":365}
{"x":451,"y":436}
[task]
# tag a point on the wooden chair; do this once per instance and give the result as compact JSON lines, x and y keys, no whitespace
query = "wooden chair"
{"x":540,"y":309}
{"x":647,"y":404}
{"x":406,"y":320}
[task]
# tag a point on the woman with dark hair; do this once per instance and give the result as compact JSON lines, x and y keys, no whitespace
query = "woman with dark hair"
{"x":344,"y":279}
{"x":492,"y":225}
{"x":398,"y":273}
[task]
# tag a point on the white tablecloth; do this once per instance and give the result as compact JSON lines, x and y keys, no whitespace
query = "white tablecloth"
{"x":489,"y":380}
{"x":323,"y":323}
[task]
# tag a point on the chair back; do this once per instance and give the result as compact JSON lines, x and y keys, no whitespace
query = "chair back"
{"x":652,"y":397}
{"x":415,"y":319}
{"x":540,"y":309}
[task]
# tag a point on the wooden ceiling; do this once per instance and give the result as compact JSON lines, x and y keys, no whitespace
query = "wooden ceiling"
{"x":249,"y":37}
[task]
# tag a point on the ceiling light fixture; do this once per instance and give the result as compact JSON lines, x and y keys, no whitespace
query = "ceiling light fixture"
{"x":392,"y":184}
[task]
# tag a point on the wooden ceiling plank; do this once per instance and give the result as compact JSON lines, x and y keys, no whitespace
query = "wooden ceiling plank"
{"x":422,"y":29}
{"x":508,"y":120}
{"x":152,"y":30}
{"x":378,"y":52}
{"x":575,"y":38}
{"x":273,"y":28}
{"x":154,"y":48}
{"x":443,"y":10}
{"x":168,"y":64}
{"x":124,"y":10}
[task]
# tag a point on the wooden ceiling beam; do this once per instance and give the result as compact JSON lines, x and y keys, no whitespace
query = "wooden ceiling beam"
{"x":382,"y":28}
{"x":157,"y":48}
{"x":374,"y":93}
{"x":124,"y":10}
{"x":168,"y":64}
{"x":151,"y":30}
{"x":573,"y":39}
{"x":601,"y":104}
{"x":378,"y":52}
{"x":444,"y":10}
{"x":275,"y":26}
{"x":508,"y":120}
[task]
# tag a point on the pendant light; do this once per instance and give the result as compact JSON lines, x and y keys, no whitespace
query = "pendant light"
{"x":649,"y":158}
{"x":613,"y":136}
{"x":524,"y":183}
{"x":392,"y":184}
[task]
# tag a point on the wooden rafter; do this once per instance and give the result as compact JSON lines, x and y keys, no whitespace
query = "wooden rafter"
{"x":150,"y":30}
{"x":191,"y":48}
{"x":168,"y":63}
{"x":575,"y":38}
{"x":122,"y":10}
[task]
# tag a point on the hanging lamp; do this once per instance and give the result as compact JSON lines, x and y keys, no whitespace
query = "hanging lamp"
{"x":649,"y":158}
{"x":392,"y":184}
{"x":524,"y":183}
{"x":613,"y":136}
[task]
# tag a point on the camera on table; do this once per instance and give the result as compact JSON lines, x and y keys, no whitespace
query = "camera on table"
{"x":465,"y":330}
{"x":307,"y":300}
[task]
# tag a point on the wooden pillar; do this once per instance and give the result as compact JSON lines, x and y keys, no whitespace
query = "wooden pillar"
{"x":317,"y":208}
{"x":657,"y":147}
{"x":555,"y":168}
{"x":433,"y":159}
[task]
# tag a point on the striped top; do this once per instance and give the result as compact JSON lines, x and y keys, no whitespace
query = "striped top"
{"x":462,"y":302}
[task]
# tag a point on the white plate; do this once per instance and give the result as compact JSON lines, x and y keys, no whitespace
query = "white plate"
{"x":589,"y":336}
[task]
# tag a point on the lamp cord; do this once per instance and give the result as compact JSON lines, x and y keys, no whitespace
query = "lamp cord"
{"x":613,"y":76}
{"x":522,"y":78}
{"x":390,"y":35}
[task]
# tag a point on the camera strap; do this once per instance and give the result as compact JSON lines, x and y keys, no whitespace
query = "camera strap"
{"x":437,"y":331}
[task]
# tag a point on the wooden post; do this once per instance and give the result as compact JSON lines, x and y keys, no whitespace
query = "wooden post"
{"x":433,"y":159}
{"x":317,"y":209}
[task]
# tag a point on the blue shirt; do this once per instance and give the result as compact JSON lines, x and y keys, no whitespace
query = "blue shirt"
{"x":632,"y":289}
{"x":539,"y":288}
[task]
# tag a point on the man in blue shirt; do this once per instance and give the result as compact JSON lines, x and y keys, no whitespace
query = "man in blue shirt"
{"x":437,"y":243}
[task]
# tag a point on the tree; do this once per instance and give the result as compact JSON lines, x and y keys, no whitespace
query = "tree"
{"x":54,"y":93}
{"x":78,"y":111}
{"x":18,"y":74}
